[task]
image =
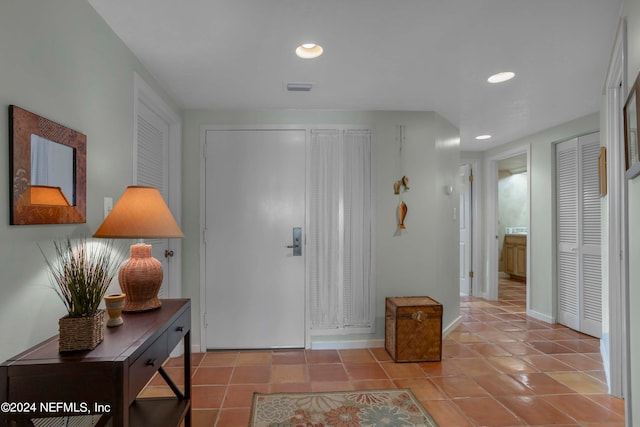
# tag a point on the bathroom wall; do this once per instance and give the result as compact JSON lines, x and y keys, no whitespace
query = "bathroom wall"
{"x":513,"y":207}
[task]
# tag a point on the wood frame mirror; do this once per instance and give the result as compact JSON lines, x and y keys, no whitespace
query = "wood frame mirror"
{"x":631,"y":112}
{"x":47,"y":167}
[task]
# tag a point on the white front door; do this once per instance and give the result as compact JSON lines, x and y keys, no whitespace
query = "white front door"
{"x":254,"y":199}
{"x":465,"y":230}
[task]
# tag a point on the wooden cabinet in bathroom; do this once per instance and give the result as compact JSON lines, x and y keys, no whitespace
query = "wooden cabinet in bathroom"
{"x":514,"y":251}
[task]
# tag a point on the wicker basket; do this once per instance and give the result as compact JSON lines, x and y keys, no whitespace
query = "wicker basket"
{"x":81,"y":333}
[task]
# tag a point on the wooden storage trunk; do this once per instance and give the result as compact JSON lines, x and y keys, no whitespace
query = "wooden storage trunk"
{"x":413,"y":329}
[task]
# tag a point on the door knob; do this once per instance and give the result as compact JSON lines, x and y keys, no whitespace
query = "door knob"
{"x":168,"y":253}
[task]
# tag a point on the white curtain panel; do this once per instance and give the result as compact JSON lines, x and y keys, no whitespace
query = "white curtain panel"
{"x":357,"y":292}
{"x":339,"y":238}
{"x":323,"y":246}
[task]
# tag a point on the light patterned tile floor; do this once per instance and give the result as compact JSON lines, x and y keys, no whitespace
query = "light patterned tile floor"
{"x":499,"y":368}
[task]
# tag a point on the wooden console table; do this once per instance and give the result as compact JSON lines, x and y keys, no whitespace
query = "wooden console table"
{"x":41,"y":382}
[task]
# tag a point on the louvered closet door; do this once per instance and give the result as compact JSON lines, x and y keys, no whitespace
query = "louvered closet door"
{"x":152,"y":169}
{"x":578,"y":231}
{"x":590,"y":247}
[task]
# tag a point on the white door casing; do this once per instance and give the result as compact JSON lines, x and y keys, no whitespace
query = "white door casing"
{"x":615,"y":342}
{"x":254,"y":196}
{"x":465,"y":230}
{"x":491,"y":227}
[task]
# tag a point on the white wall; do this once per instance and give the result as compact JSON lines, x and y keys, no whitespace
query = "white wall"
{"x":423,"y":260}
{"x":61,"y":61}
{"x":631,"y":9}
{"x":541,"y":237}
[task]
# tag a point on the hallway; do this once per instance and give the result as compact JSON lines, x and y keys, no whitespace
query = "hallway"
{"x":499,"y":368}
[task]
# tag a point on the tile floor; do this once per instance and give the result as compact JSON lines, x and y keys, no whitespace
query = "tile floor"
{"x":499,"y":368}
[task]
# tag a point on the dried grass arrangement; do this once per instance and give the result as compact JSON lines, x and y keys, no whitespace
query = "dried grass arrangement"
{"x":81,"y":273}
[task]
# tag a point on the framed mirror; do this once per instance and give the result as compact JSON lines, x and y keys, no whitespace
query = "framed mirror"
{"x":47,"y":170}
{"x":631,"y":119}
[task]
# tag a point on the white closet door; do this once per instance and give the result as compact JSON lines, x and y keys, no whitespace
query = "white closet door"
{"x":152,"y":169}
{"x":567,"y":194}
{"x":578,"y":218}
{"x":590,"y":247}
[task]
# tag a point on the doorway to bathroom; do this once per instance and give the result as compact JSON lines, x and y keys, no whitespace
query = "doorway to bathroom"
{"x":513,"y":228}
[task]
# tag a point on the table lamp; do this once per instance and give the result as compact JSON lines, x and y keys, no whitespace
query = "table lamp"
{"x":140,"y":213}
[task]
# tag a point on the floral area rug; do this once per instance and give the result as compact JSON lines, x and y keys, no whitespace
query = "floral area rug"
{"x":375,"y":408}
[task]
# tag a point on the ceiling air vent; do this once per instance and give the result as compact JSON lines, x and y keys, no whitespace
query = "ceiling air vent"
{"x":299,"y":87}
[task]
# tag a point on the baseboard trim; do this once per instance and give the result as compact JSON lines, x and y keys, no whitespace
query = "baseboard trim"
{"x":452,"y":326}
{"x":355,"y":344}
{"x":540,"y":316}
{"x":347,"y":344}
{"x":370,"y":343}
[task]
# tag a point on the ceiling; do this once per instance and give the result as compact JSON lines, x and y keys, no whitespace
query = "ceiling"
{"x":423,"y":55}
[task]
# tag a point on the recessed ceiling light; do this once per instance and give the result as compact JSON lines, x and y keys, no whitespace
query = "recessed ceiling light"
{"x":309,"y":50}
{"x":501,"y":77}
{"x":482,"y":137}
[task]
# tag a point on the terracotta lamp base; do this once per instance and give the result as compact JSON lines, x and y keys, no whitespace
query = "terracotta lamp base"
{"x":140,"y":279}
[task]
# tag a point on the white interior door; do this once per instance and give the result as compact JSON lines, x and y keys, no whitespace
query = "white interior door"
{"x":255,"y":197}
{"x":465,"y":230}
{"x":579,"y":259}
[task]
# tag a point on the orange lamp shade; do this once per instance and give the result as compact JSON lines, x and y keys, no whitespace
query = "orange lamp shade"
{"x":140,"y":213}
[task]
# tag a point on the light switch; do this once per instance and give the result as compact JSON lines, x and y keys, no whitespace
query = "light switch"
{"x":108,"y":205}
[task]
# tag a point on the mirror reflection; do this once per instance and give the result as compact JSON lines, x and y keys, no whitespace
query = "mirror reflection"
{"x":52,"y":165}
{"x":632,"y":121}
